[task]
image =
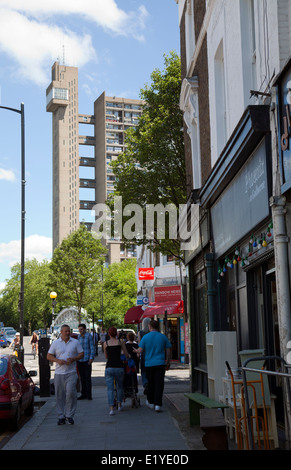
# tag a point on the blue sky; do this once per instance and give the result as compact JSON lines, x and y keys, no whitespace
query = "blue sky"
{"x":116,"y":44}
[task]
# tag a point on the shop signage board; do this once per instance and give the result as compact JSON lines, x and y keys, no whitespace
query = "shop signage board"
{"x":145,"y":274}
{"x":167,"y":293}
{"x":243,"y":204}
{"x":284,"y":124}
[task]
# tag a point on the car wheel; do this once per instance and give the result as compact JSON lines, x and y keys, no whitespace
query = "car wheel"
{"x":15,"y":420}
{"x":29,"y":410}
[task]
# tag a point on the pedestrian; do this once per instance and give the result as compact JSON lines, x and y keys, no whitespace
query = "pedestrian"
{"x":85,"y":363}
{"x":34,"y":342}
{"x":114,"y":372}
{"x":155,"y":344}
{"x":95,"y":336}
{"x":15,"y":343}
{"x":144,"y":330}
{"x":131,"y":344}
{"x":65,"y":352}
{"x":103,"y":337}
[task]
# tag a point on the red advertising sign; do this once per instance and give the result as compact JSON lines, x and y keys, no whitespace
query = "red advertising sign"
{"x":167,"y":293}
{"x":146,"y":274}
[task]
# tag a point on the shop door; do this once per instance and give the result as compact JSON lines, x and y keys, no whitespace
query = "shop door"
{"x":173,"y":337}
{"x":273,"y":340}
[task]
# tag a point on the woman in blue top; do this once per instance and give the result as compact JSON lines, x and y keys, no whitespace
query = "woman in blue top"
{"x":155,"y":344}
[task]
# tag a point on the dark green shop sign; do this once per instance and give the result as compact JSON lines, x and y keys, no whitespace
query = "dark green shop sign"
{"x":284,"y":112}
{"x":243,"y":204}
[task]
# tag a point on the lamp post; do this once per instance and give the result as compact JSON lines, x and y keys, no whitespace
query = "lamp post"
{"x":21,"y":293}
{"x":53,"y":296}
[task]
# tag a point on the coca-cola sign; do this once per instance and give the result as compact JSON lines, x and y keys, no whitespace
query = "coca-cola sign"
{"x":145,"y":274}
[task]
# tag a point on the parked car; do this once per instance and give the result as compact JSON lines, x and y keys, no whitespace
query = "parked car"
{"x":16,"y":390}
{"x":9,"y":333}
{"x":3,"y":341}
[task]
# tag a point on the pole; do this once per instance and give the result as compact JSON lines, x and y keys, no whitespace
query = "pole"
{"x":22,"y":224}
{"x":21,"y":293}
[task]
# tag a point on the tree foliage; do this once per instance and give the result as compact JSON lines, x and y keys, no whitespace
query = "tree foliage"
{"x":117,"y":295}
{"x":152,"y":168}
{"x":76,"y":267}
{"x":37,"y":304}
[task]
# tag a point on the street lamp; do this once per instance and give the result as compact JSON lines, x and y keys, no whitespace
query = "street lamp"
{"x":21,"y":293}
{"x":53,"y":296}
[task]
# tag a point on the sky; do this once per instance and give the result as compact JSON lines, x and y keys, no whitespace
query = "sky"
{"x":116,"y":45}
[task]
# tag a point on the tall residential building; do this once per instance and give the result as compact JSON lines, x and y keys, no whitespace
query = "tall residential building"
{"x":84,"y":146}
{"x":62,"y":102}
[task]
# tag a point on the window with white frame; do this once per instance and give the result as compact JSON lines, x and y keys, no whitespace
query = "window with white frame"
{"x":220,"y":98}
{"x":189,"y":31}
{"x":189,"y":104}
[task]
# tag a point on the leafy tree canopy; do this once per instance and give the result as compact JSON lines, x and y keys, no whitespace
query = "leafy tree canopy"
{"x":152,"y":168}
{"x":76,"y":267}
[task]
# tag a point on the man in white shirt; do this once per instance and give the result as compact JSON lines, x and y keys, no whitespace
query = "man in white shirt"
{"x":65,"y":351}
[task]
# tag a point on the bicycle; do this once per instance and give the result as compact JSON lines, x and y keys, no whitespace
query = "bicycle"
{"x":33,"y":350}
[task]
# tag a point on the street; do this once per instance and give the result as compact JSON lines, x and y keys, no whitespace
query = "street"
{"x":176,"y":383}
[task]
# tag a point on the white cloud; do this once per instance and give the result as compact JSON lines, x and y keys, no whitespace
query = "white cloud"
{"x":106,"y":14}
{"x":7,"y":175}
{"x":36,"y":246}
{"x":38,"y":39}
{"x":35,"y":44}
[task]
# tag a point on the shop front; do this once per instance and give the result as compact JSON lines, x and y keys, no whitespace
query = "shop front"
{"x":168,"y":309}
{"x":232,"y":277}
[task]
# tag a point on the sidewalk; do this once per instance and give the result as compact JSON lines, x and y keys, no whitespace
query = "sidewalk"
{"x":131,"y":429}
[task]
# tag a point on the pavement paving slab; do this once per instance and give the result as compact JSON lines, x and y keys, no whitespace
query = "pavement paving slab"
{"x":131,"y":430}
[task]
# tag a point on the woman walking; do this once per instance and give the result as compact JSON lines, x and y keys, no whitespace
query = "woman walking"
{"x":114,"y":371}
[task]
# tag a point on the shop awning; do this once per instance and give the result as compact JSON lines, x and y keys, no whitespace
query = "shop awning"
{"x":159,"y":308}
{"x":133,"y":315}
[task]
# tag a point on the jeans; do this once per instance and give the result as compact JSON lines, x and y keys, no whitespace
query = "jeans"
{"x":155,"y":375}
{"x":116,"y":373}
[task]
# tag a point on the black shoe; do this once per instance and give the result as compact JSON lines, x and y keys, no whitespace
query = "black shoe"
{"x":82,"y":397}
{"x":61,"y":421}
{"x":70,"y":421}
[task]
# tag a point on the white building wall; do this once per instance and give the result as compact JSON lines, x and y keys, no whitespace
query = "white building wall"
{"x":229,"y":40}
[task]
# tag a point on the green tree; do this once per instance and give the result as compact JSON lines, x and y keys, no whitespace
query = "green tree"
{"x":152,"y":168}
{"x":117,"y":295}
{"x":75,"y":268}
{"x":36,"y":296}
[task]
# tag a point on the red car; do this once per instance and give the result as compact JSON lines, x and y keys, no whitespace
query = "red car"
{"x":16,"y":390}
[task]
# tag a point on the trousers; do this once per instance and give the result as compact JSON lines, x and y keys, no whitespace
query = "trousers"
{"x":114,"y":374}
{"x":66,"y":394}
{"x":155,"y":376}
{"x":85,"y":371}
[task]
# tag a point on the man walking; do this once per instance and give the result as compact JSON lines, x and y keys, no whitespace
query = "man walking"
{"x":95,"y":336}
{"x":85,"y":364}
{"x":65,"y":352}
{"x":155,"y":344}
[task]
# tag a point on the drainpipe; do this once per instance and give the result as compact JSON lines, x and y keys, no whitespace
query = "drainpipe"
{"x":281,"y":241}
